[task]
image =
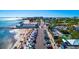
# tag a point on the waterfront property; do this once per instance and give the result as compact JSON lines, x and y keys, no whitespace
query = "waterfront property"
{"x":36,"y":33}
{"x":27,"y":25}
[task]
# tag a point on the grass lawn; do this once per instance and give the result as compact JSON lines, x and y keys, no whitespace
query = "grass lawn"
{"x":75,"y":35}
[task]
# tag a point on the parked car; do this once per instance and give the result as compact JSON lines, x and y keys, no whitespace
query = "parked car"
{"x":49,"y":46}
{"x":48,"y":42}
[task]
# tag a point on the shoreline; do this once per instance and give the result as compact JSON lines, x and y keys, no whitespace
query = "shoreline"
{"x":21,"y":35}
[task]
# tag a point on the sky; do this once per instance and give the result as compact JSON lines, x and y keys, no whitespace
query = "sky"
{"x":38,"y":13}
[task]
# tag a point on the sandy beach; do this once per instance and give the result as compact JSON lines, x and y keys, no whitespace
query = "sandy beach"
{"x":21,"y":37}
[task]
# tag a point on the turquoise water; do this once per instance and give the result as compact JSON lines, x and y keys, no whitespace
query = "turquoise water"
{"x":7,"y":38}
{"x":8,"y":23}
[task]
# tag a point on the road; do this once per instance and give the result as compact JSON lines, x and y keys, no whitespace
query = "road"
{"x":40,"y":37}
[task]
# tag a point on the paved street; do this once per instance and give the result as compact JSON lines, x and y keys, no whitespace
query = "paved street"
{"x":40,"y":39}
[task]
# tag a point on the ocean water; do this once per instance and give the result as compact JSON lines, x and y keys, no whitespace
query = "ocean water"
{"x":8,"y":23}
{"x":6,"y":37}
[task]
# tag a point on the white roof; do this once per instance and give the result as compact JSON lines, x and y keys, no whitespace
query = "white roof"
{"x":72,"y":41}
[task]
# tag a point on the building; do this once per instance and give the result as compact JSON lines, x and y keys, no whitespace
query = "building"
{"x":71,"y":43}
{"x":75,"y":27}
{"x":28,"y":25}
